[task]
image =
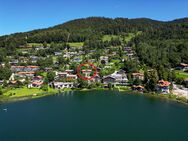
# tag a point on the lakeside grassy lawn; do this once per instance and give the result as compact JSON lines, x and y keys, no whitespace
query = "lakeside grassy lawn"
{"x":21,"y":92}
{"x":76,"y":44}
{"x":181,"y":74}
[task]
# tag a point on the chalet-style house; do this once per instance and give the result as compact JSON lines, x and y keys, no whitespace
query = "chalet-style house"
{"x":163,"y":87}
{"x":62,"y":85}
{"x":36,"y":82}
{"x":139,"y":76}
{"x":184,"y":66}
{"x":138,"y":88}
{"x":117,"y":78}
{"x":66,"y":76}
{"x":86,"y":73}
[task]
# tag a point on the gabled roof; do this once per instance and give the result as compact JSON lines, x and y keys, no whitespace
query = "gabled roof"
{"x":184,"y":65}
{"x":163,"y":83}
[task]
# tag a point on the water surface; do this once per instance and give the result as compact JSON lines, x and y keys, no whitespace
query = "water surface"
{"x":94,"y":116}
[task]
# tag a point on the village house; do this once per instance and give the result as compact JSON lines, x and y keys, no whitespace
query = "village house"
{"x":104,"y":59}
{"x":21,"y":76}
{"x":128,"y":49}
{"x":1,"y":82}
{"x":77,"y":60}
{"x":2,"y":64}
{"x":138,"y":88}
{"x":39,"y":48}
{"x":117,"y":78}
{"x":26,"y":46}
{"x":24,"y":74}
{"x":36,"y":82}
{"x":69,"y":71}
{"x":96,"y":79}
{"x":34,"y":59}
{"x":86,"y":73}
{"x":24,"y":68}
{"x":184,"y":67}
{"x":109,"y":79}
{"x":35,"y":85}
{"x":57,"y":53}
{"x":14,"y":62}
{"x":48,"y":69}
{"x":67,"y":75}
{"x":139,"y":76}
{"x":163,"y":87}
{"x":23,"y":59}
{"x":62,"y":85}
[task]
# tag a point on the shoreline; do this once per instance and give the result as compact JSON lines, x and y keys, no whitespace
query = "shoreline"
{"x":170,"y":97}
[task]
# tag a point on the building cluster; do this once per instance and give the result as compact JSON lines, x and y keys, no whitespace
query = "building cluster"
{"x":68,"y":77}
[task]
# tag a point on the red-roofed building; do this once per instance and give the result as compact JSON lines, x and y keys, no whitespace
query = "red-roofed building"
{"x":163,"y":86}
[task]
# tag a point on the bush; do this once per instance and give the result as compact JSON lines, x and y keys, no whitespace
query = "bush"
{"x":1,"y":91}
{"x":44,"y":88}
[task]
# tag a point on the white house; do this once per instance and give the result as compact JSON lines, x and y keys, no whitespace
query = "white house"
{"x":62,"y":85}
{"x":117,"y":78}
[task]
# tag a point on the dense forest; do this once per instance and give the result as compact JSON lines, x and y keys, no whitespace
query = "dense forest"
{"x":158,"y":44}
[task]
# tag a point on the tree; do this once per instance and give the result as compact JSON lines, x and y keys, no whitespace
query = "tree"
{"x":45,"y":44}
{"x":110,"y":85}
{"x":1,"y":90}
{"x":137,"y":82}
{"x":44,"y":87}
{"x":5,"y":73}
{"x":50,"y":76}
{"x":152,"y":81}
{"x":82,"y":83}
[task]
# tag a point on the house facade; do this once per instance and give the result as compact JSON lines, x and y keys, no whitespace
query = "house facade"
{"x":117,"y":78}
{"x":163,"y":87}
{"x":62,"y":85}
{"x":139,"y":76}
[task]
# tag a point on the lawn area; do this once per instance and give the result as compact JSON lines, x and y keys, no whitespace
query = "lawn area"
{"x":181,"y":74}
{"x":37,"y":44}
{"x":76,"y":44}
{"x":109,"y":37}
{"x":21,"y":92}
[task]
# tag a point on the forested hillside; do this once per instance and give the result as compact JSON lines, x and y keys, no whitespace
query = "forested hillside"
{"x":159,"y":43}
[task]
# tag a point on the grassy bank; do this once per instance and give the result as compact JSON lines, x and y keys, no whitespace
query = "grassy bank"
{"x":31,"y":93}
{"x":16,"y":94}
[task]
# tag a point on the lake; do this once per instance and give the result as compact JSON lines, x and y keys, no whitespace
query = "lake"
{"x":94,"y":116}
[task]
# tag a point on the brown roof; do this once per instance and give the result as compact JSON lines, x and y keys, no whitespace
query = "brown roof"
{"x":137,"y":74}
{"x":163,"y":83}
{"x":31,"y":72}
{"x":184,"y":65}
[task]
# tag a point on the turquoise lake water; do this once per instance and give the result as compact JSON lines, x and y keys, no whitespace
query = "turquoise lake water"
{"x":94,"y":116}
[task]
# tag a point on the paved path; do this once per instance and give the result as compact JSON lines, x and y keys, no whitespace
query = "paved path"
{"x":180,"y":91}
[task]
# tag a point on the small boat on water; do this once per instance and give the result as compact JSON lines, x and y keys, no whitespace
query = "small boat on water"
{"x":5,"y":109}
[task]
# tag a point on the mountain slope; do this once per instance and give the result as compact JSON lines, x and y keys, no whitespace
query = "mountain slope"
{"x":81,"y":29}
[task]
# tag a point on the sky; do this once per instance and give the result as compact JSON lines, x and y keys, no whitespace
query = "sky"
{"x":26,"y":15}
